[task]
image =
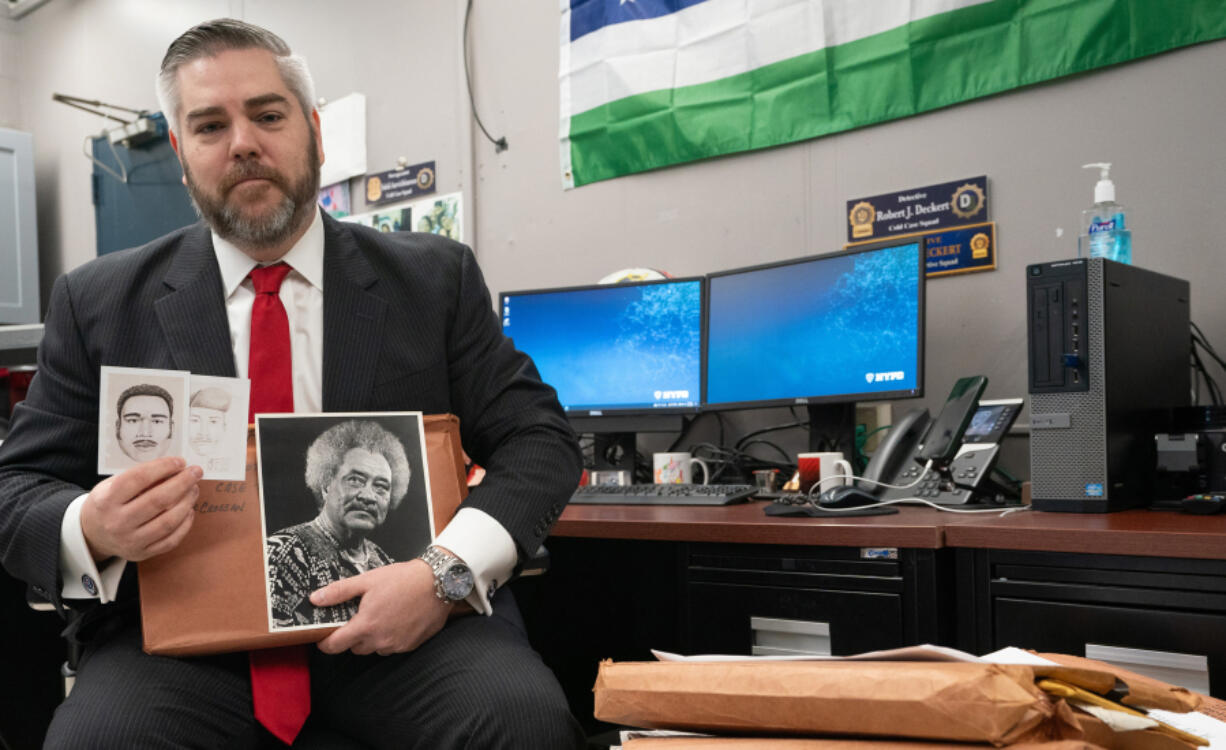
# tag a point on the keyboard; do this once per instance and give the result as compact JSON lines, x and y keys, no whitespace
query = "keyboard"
{"x":663,"y":494}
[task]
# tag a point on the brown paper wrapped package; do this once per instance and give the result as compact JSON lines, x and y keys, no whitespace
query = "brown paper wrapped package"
{"x":208,"y":594}
{"x":991,"y":703}
{"x":776,"y":743}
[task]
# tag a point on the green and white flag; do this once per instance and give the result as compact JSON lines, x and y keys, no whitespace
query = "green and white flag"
{"x":649,"y":83}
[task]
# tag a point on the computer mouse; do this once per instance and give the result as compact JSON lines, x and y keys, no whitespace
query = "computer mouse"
{"x":846,"y":497}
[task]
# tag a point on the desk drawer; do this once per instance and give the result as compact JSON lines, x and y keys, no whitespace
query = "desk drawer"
{"x":718,"y":616}
{"x":1061,"y":602}
{"x":1067,"y":627}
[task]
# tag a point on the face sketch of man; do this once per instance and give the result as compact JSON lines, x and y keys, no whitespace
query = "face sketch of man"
{"x":144,"y":422}
{"x":206,"y":425}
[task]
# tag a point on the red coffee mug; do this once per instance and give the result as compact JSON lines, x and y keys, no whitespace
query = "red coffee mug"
{"x":828,"y":469}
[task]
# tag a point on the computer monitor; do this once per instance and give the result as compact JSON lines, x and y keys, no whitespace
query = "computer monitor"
{"x":823,"y":332}
{"x":624,"y":358}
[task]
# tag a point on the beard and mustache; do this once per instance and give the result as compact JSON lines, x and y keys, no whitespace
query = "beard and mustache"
{"x":230,"y":220}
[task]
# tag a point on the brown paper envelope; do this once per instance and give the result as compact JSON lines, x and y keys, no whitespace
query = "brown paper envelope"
{"x":830,"y":743}
{"x":994,"y":703}
{"x":208,"y":595}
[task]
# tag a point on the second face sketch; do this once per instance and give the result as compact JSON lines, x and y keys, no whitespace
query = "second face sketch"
{"x":217,"y":426}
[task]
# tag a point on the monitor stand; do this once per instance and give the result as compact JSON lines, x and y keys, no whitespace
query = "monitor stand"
{"x":832,"y":427}
{"x":615,"y":450}
{"x":616,"y":435}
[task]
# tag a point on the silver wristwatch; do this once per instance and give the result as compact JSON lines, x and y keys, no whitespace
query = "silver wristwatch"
{"x":453,"y":580}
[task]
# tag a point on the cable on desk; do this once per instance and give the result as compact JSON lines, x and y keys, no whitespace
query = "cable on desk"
{"x":740,"y":444}
{"x":738,"y":465}
{"x":1003,"y":511}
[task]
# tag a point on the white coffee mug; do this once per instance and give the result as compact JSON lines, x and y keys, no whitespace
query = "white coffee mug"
{"x":826,"y":469}
{"x":677,"y":468}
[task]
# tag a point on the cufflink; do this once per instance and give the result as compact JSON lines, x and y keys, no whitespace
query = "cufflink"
{"x":91,"y":588}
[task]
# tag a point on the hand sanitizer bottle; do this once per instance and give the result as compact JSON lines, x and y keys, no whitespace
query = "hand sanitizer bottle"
{"x":1103,"y":231}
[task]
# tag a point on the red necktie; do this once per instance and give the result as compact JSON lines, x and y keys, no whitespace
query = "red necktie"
{"x":270,"y":364}
{"x":280,"y":679}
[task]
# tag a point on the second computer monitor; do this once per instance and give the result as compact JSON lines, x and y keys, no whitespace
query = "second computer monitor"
{"x":614,"y":348}
{"x":835,"y":328}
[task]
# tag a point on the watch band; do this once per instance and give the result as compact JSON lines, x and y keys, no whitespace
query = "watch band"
{"x":447,"y":566}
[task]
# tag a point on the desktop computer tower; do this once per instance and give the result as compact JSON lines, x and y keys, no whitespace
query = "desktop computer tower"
{"x":1108,"y":352}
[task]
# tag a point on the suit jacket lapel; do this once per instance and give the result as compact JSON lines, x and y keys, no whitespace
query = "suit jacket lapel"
{"x":353,"y":321}
{"x":193,"y":314}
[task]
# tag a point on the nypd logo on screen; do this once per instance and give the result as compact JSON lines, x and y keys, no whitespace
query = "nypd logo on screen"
{"x":884,"y":377}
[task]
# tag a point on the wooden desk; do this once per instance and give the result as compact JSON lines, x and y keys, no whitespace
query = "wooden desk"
{"x":626,"y":579}
{"x":1153,"y":581}
{"x":878,"y":581}
{"x":1134,"y":532}
{"x":917,"y":527}
{"x":631,"y":578}
{"x":1142,"y":533}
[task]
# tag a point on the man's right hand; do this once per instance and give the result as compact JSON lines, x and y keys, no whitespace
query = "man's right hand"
{"x":142,"y":512}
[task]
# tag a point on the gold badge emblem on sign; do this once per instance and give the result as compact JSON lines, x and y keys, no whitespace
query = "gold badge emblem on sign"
{"x":979,"y":245}
{"x":862,"y":217}
{"x":374,"y":189}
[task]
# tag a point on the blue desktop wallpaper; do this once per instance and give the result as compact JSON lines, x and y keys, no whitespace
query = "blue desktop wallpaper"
{"x":839,"y":325}
{"x":613,"y":347}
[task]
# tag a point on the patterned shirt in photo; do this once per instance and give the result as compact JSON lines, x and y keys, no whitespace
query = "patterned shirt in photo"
{"x":306,"y":557}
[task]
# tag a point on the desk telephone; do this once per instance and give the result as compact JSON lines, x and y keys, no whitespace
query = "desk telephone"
{"x":962,"y":442}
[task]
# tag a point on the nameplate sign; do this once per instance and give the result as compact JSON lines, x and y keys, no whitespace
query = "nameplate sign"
{"x":921,"y":209}
{"x":400,"y":184}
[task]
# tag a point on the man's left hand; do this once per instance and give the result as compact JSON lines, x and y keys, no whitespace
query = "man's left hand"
{"x":398,"y":612}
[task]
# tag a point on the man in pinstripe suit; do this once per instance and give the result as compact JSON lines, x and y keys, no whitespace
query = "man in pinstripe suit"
{"x":378,"y":322}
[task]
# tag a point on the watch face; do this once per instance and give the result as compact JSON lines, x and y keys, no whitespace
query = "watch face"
{"x":457,"y":581}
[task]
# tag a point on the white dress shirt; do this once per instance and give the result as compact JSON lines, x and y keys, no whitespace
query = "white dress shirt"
{"x":472,"y":535}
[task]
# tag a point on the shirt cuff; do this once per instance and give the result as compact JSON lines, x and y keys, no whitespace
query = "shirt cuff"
{"x":486,"y":548}
{"x":80,"y":576}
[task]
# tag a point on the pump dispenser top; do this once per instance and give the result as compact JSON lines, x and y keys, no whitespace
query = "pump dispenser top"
{"x":1104,"y":189}
{"x":1104,"y":233}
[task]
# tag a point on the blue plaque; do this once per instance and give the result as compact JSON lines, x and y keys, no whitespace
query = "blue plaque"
{"x":961,"y":249}
{"x":923,"y":209}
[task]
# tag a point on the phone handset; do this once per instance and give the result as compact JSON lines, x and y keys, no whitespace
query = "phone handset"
{"x":954,"y":461}
{"x":895,"y":450}
{"x":945,"y":436}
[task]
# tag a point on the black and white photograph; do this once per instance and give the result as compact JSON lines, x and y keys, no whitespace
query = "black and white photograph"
{"x":140,"y":416}
{"x":340,"y":494}
{"x":217,"y":426}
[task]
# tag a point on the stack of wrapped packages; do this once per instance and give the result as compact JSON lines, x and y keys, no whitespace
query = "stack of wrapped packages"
{"x":864,"y":705}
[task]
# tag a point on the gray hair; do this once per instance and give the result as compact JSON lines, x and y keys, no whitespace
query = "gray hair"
{"x":327,"y":452}
{"x":211,"y":38}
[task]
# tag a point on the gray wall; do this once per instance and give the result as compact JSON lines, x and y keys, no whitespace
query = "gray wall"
{"x":10,"y":67}
{"x":1158,"y":119}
